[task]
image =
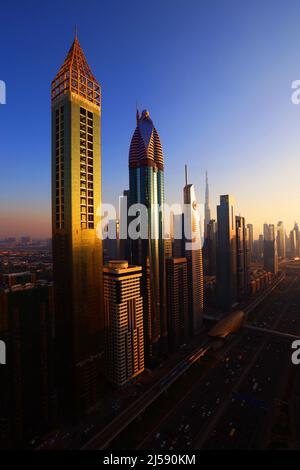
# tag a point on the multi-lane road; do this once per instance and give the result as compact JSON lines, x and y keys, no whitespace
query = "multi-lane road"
{"x":248,"y":399}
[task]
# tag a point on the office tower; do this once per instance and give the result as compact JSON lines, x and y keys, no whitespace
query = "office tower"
{"x":294,"y":241}
{"x":211,"y":247}
{"x":250,"y":240}
{"x":260,"y":245}
{"x":270,"y":249}
{"x":242,"y":257}
{"x":123,"y":306}
{"x":112,"y":243}
{"x":177,"y":301}
{"x":28,"y":399}
{"x":226,"y":254}
{"x":281,"y":240}
{"x":292,"y":244}
{"x":77,"y":250}
{"x":193,"y":254}
{"x":146,"y":182}
{"x":207,"y":215}
{"x":297,"y":234}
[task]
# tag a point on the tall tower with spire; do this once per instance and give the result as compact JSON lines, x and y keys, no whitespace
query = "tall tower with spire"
{"x":77,"y":251}
{"x":193,"y":254}
{"x":146,"y":183}
{"x":207,"y":214}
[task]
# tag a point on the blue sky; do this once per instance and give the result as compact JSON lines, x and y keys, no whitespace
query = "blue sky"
{"x":215,"y":75}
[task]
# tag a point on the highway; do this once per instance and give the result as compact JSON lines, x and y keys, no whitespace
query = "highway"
{"x":103,"y":439}
{"x":240,"y":403}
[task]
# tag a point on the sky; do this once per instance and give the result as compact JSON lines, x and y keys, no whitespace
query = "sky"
{"x":215,"y":75}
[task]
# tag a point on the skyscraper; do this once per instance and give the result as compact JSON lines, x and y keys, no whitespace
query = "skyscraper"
{"x":226,"y":254}
{"x":146,"y":185}
{"x":193,"y":254}
{"x":211,"y":247}
{"x":207,"y":215}
{"x":177,"y":301}
{"x":250,"y":240}
{"x":270,"y":249}
{"x":281,"y":240}
{"x":77,"y":251}
{"x":297,"y":232}
{"x":28,"y":399}
{"x":242,"y":254}
{"x":293,"y":243}
{"x":124,"y":342}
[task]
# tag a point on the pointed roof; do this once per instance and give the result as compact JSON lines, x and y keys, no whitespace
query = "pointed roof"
{"x":145,"y":148}
{"x":75,"y":76}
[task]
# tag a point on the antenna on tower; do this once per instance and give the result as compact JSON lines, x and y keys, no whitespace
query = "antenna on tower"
{"x":75,"y":30}
{"x":186,"y":174}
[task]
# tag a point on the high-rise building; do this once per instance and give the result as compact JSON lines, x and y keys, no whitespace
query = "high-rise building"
{"x":242,"y":257}
{"x":297,"y":233}
{"x":281,"y":242}
{"x":293,"y":243}
{"x":193,"y":254}
{"x":124,"y":342}
{"x":270,"y":249}
{"x":28,"y":397}
{"x":146,"y":183}
{"x":207,"y":215}
{"x":177,"y":301}
{"x":77,"y":250}
{"x":168,"y":247}
{"x":211,"y":247}
{"x":226,"y":254}
{"x":250,"y":240}
{"x":112,"y":243}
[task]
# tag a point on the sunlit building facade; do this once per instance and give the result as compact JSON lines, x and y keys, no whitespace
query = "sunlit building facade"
{"x":281,"y":241}
{"x":226,"y":254}
{"x":77,"y":251}
{"x":193,"y":254}
{"x":242,"y":257}
{"x":250,"y":240}
{"x":124,"y":331}
{"x":146,"y":186}
{"x":270,"y":249}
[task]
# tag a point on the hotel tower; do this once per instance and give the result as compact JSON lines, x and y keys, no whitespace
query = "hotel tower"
{"x":123,"y":307}
{"x":146,"y":186}
{"x":77,"y":251}
{"x":193,"y":254}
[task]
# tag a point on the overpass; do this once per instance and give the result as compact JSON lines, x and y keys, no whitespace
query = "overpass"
{"x":271,"y":332}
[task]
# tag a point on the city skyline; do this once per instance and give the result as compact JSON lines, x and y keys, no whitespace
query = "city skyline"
{"x":253,"y":146}
{"x":153,"y":317}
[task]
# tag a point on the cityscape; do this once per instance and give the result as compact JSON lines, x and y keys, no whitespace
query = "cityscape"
{"x":150,"y":324}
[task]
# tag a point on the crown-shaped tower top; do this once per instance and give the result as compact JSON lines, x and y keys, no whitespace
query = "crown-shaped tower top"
{"x":75,"y":76}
